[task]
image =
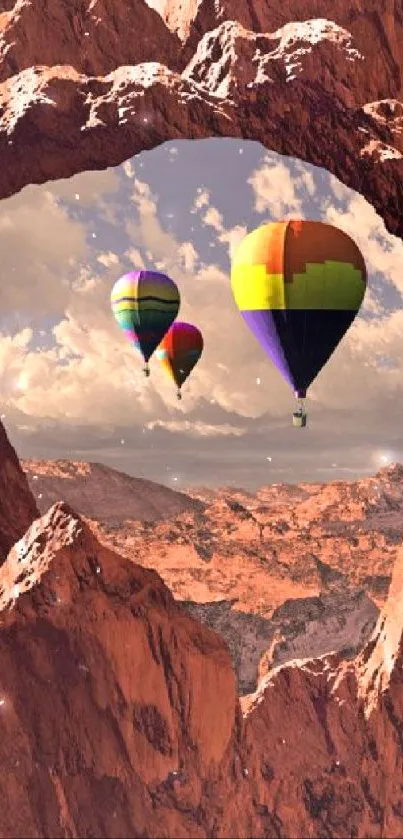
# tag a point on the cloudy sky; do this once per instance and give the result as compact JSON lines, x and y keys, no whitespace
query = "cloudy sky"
{"x":73,"y":388}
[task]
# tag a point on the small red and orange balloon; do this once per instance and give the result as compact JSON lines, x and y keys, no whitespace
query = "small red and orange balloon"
{"x":179,"y":352}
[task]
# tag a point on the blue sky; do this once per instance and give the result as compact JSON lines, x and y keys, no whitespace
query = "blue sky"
{"x":70,"y":383}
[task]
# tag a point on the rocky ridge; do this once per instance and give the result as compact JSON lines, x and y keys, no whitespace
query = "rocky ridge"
{"x":79,"y":90}
{"x":104,"y":494}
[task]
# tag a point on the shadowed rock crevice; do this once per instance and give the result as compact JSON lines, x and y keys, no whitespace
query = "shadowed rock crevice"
{"x":340,"y":622}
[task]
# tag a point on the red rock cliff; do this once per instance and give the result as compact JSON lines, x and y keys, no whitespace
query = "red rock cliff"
{"x":77,"y":79}
{"x":17,"y":505}
{"x":119,"y":713}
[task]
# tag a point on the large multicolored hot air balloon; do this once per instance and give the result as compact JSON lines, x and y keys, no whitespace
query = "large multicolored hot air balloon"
{"x":145,"y":303}
{"x":179,"y":351}
{"x":298,"y":286}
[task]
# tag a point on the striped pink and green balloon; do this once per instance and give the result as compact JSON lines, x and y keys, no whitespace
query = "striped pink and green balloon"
{"x":145,"y":304}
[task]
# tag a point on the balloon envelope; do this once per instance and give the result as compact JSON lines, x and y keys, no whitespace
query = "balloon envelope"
{"x":180,"y":350}
{"x":144,"y":304}
{"x":298,"y":286}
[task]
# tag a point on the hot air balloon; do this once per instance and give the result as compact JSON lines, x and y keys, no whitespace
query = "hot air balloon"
{"x":179,"y":351}
{"x":145,"y":303}
{"x":298,"y":286}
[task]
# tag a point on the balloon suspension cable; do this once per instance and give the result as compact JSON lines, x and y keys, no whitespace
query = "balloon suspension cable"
{"x":301,"y":403}
{"x":146,"y":370}
{"x":178,"y":394}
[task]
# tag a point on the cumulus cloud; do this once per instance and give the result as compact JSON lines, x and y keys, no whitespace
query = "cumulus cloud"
{"x":128,"y":169}
{"x":36,"y":267}
{"x":232,"y":237}
{"x":276,"y":190}
{"x":108,"y":259}
{"x":136,"y":258}
{"x":198,"y":429}
{"x":88,"y":186}
{"x":43,"y":245}
{"x":202,"y":199}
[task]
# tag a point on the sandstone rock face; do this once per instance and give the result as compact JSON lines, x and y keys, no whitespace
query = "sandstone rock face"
{"x":98,"y":492}
{"x":302,"y":628}
{"x":108,"y":695}
{"x":17,"y":504}
{"x":119,"y":713}
{"x":80,"y":88}
{"x":337,"y":768}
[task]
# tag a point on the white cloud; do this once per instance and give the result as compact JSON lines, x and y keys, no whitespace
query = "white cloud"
{"x":95,"y":378}
{"x":188,"y":256}
{"x":108,"y":259}
{"x":275,"y":190}
{"x":202,"y":199}
{"x":35,"y":277}
{"x":128,"y":169}
{"x":198,"y":429}
{"x":231,"y":237}
{"x":213,"y":218}
{"x":90,"y":186}
{"x":135,"y":256}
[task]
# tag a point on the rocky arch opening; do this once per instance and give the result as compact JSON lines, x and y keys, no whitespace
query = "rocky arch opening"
{"x":300,"y":87}
{"x":74,"y":92}
{"x":139,"y":195}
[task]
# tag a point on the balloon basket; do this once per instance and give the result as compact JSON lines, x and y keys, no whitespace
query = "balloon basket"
{"x":179,"y":395}
{"x":299,"y":420}
{"x":146,"y":371}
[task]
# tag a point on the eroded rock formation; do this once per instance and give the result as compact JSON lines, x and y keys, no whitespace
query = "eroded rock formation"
{"x":17,"y":504}
{"x":89,"y":83}
{"x":294,"y":571}
{"x":119,"y":713}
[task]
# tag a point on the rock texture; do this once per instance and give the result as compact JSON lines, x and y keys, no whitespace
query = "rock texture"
{"x":301,"y":628}
{"x":119,"y":714}
{"x":108,"y":695}
{"x":101,"y":493}
{"x":80,"y":88}
{"x":17,"y":504}
{"x":292,"y":572}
